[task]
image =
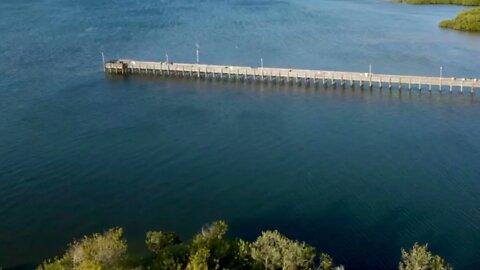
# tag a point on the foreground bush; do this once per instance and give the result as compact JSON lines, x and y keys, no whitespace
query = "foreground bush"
{"x":99,"y":251}
{"x":275,"y":251}
{"x":419,"y":258}
{"x":211,"y":249}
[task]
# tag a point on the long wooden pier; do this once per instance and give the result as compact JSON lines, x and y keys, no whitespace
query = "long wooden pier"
{"x":290,"y":76}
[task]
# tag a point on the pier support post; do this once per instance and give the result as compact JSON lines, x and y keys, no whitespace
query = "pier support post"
{"x":273,"y":76}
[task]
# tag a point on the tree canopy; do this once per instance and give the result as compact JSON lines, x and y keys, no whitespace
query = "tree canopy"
{"x":99,"y":251}
{"x":419,"y":258}
{"x":468,"y":20}
{"x":212,"y":249}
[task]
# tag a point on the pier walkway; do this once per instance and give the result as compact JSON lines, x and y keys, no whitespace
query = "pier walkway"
{"x":298,"y":76}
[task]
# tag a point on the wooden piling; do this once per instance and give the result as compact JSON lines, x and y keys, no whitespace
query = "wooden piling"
{"x":307,"y":77}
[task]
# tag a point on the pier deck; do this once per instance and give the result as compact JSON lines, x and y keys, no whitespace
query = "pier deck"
{"x":285,"y":75}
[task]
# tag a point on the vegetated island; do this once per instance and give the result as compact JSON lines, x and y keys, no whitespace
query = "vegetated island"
{"x":468,"y":20}
{"x":211,"y":249}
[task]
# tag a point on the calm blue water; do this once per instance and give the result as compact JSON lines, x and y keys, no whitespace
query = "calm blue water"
{"x":357,"y":174}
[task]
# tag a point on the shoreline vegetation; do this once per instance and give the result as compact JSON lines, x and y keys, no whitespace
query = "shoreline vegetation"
{"x":467,"y":20}
{"x":211,"y":249}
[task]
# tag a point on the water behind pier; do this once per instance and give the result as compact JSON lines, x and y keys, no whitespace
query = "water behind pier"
{"x":358,"y":174}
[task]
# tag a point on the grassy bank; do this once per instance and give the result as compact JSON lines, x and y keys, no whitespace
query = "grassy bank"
{"x":211,"y":249}
{"x":468,"y":21}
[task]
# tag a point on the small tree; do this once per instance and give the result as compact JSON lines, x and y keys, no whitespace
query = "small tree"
{"x":274,"y":251}
{"x":326,"y":263}
{"x":99,"y":251}
{"x":199,"y":260}
{"x":211,"y":235}
{"x":419,"y":258}
{"x":158,"y":241}
{"x":239,"y":255}
{"x":171,"y":257}
{"x":212,"y":239}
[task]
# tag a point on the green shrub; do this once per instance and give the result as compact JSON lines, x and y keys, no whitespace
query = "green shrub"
{"x":273,"y":251}
{"x":158,"y":241}
{"x":210,"y":249}
{"x":419,"y":258}
{"x":99,"y":251}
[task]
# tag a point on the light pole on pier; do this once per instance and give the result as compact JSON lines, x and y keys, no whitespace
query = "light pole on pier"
{"x":370,"y":69}
{"x":198,"y":52}
{"x":441,"y":76}
{"x":103,"y":61}
{"x":166,"y":56}
{"x":261,"y":62}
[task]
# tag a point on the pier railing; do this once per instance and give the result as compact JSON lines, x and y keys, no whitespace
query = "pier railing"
{"x":298,"y":76}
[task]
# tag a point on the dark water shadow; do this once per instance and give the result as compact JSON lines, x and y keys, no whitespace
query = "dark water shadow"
{"x":355,"y":243}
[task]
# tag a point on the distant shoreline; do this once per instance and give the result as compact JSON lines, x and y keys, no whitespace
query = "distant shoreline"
{"x":467,"y":21}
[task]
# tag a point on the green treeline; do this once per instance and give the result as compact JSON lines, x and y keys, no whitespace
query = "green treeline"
{"x":211,"y":249}
{"x":442,"y":2}
{"x":468,"y":20}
